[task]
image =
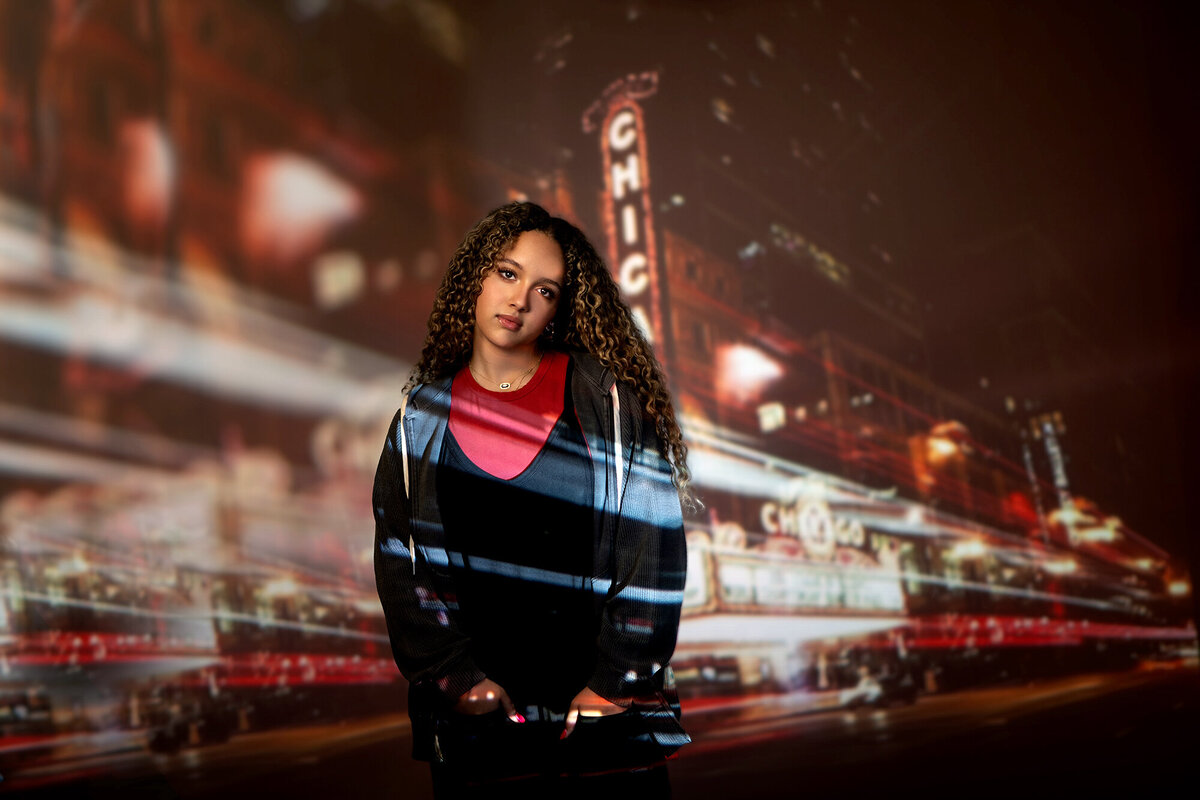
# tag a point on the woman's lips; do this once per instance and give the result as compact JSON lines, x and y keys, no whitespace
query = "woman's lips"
{"x":512,"y":323}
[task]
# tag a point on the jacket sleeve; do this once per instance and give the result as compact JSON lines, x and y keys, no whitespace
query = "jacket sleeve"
{"x":640,"y":618}
{"x":420,"y":611}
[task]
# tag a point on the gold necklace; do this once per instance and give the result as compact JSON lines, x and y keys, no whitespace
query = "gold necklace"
{"x":506,"y":385}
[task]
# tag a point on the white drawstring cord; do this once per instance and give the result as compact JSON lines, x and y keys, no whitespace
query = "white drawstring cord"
{"x":412,"y":547}
{"x":617,"y":440}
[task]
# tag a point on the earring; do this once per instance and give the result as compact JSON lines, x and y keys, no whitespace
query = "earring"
{"x":548,"y":331}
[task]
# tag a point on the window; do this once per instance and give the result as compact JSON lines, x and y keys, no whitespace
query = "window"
{"x":215,"y":145}
{"x":702,"y":337}
{"x":100,"y":112}
{"x":206,"y":29}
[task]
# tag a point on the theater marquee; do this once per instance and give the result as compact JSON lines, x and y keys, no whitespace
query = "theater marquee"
{"x":628,"y":220}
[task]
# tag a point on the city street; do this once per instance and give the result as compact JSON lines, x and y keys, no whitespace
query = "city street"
{"x":1110,"y":734}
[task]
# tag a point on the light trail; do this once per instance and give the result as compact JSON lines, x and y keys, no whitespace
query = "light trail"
{"x":215,"y":615}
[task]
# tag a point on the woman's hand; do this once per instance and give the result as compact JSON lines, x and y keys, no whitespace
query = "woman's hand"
{"x":485,"y":697}
{"x":588,"y":704}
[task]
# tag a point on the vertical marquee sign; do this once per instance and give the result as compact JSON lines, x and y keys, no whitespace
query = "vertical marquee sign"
{"x":627,"y":215}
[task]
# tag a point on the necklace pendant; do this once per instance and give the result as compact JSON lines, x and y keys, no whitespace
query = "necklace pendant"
{"x":505,"y":385}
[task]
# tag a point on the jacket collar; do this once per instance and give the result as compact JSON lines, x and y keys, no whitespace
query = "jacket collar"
{"x":590,"y":368}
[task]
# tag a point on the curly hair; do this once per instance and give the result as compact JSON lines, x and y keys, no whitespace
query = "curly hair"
{"x":591,"y":317}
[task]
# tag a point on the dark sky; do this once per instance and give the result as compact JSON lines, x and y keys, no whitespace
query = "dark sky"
{"x":1073,"y":120}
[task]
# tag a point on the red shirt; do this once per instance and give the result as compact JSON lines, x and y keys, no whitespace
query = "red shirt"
{"x":502,"y":432}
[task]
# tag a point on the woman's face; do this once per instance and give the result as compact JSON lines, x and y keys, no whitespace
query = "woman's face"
{"x":519,"y":295}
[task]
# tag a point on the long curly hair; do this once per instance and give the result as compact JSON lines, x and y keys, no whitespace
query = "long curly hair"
{"x":591,"y":317}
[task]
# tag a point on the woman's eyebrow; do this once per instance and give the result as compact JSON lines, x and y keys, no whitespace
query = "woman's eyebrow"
{"x":517,"y":264}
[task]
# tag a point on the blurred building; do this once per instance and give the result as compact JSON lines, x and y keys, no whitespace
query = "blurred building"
{"x":812,"y":449}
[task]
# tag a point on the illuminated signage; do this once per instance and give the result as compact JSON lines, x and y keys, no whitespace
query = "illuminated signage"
{"x":752,"y":584}
{"x":628,"y":218}
{"x":804,"y":514}
{"x":1057,"y":463}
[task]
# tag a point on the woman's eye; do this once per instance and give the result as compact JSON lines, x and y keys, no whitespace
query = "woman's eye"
{"x":507,"y":274}
{"x":547,"y":293}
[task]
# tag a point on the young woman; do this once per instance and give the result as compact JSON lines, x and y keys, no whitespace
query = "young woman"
{"x":529,"y":548}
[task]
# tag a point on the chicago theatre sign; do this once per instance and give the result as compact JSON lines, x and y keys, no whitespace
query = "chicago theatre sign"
{"x":628,"y":223}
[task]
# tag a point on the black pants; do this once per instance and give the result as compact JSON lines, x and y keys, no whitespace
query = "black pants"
{"x":489,"y":756}
{"x":651,"y":782}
